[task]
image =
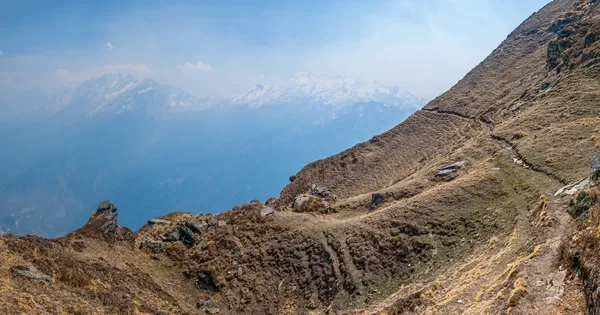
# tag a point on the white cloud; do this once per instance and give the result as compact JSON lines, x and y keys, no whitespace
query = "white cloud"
{"x":109,"y":46}
{"x":198,"y":66}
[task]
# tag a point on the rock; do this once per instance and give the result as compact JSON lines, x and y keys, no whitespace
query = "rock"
{"x":30,"y":272}
{"x":311,"y":204}
{"x":292,"y":178}
{"x":582,"y":184}
{"x":197,"y":227}
{"x":555,"y":287}
{"x":270,"y":201}
{"x":321,"y":192}
{"x":171,"y":236}
{"x":572,"y":189}
{"x":103,"y":220}
{"x":153,"y":247}
{"x":186,"y":236}
{"x":459,"y":301}
{"x":212,"y":222}
{"x":158,"y":221}
{"x":443,"y":173}
{"x":377,"y":199}
{"x":221,"y":223}
{"x":301,"y":200}
{"x":545,"y":85}
{"x":106,"y":205}
{"x":562,"y":190}
{"x":266,"y":211}
{"x":213,"y":310}
{"x":453,"y":166}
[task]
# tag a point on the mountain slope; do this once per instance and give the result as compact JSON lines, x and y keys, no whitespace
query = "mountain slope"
{"x":391,"y":226}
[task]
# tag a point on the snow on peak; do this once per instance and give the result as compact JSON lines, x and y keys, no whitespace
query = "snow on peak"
{"x":312,"y":88}
{"x":119,"y":93}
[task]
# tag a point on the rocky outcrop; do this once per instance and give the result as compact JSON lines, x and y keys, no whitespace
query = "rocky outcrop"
{"x":448,"y":172}
{"x":30,"y":272}
{"x":103,"y":222}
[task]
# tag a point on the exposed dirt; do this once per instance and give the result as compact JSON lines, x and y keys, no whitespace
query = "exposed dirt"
{"x":383,"y":231}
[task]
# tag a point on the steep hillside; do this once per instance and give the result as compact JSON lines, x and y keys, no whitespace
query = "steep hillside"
{"x":457,"y":210}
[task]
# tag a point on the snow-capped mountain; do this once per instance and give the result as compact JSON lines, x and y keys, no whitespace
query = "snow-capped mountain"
{"x":114,"y":94}
{"x":118,"y":93}
{"x":312,"y":88}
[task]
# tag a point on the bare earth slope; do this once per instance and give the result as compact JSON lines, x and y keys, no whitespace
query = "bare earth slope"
{"x":376,"y":229}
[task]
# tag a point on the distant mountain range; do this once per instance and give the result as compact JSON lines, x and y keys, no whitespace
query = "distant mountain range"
{"x":311,"y":88}
{"x":121,"y":93}
{"x":154,"y":148}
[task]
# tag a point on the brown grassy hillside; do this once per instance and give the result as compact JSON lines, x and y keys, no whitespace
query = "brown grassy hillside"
{"x":377,"y":229}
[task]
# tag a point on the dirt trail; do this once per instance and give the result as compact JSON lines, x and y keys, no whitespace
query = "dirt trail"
{"x":548,"y":289}
{"x":489,"y":127}
{"x":533,"y":283}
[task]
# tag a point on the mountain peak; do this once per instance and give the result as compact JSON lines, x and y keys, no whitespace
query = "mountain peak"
{"x":308,"y":87}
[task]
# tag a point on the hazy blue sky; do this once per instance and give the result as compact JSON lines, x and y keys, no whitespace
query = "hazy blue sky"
{"x":220,"y":47}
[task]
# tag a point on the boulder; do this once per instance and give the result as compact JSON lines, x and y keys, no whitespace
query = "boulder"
{"x":186,"y":236}
{"x":106,"y":205}
{"x":171,"y":236}
{"x":322,"y":192}
{"x":158,"y":221}
{"x":453,"y":166}
{"x":30,"y":272}
{"x":266,"y":211}
{"x":312,"y":204}
{"x":197,"y":227}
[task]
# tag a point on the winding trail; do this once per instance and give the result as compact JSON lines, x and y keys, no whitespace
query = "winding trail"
{"x":488,"y":125}
{"x":548,"y":291}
